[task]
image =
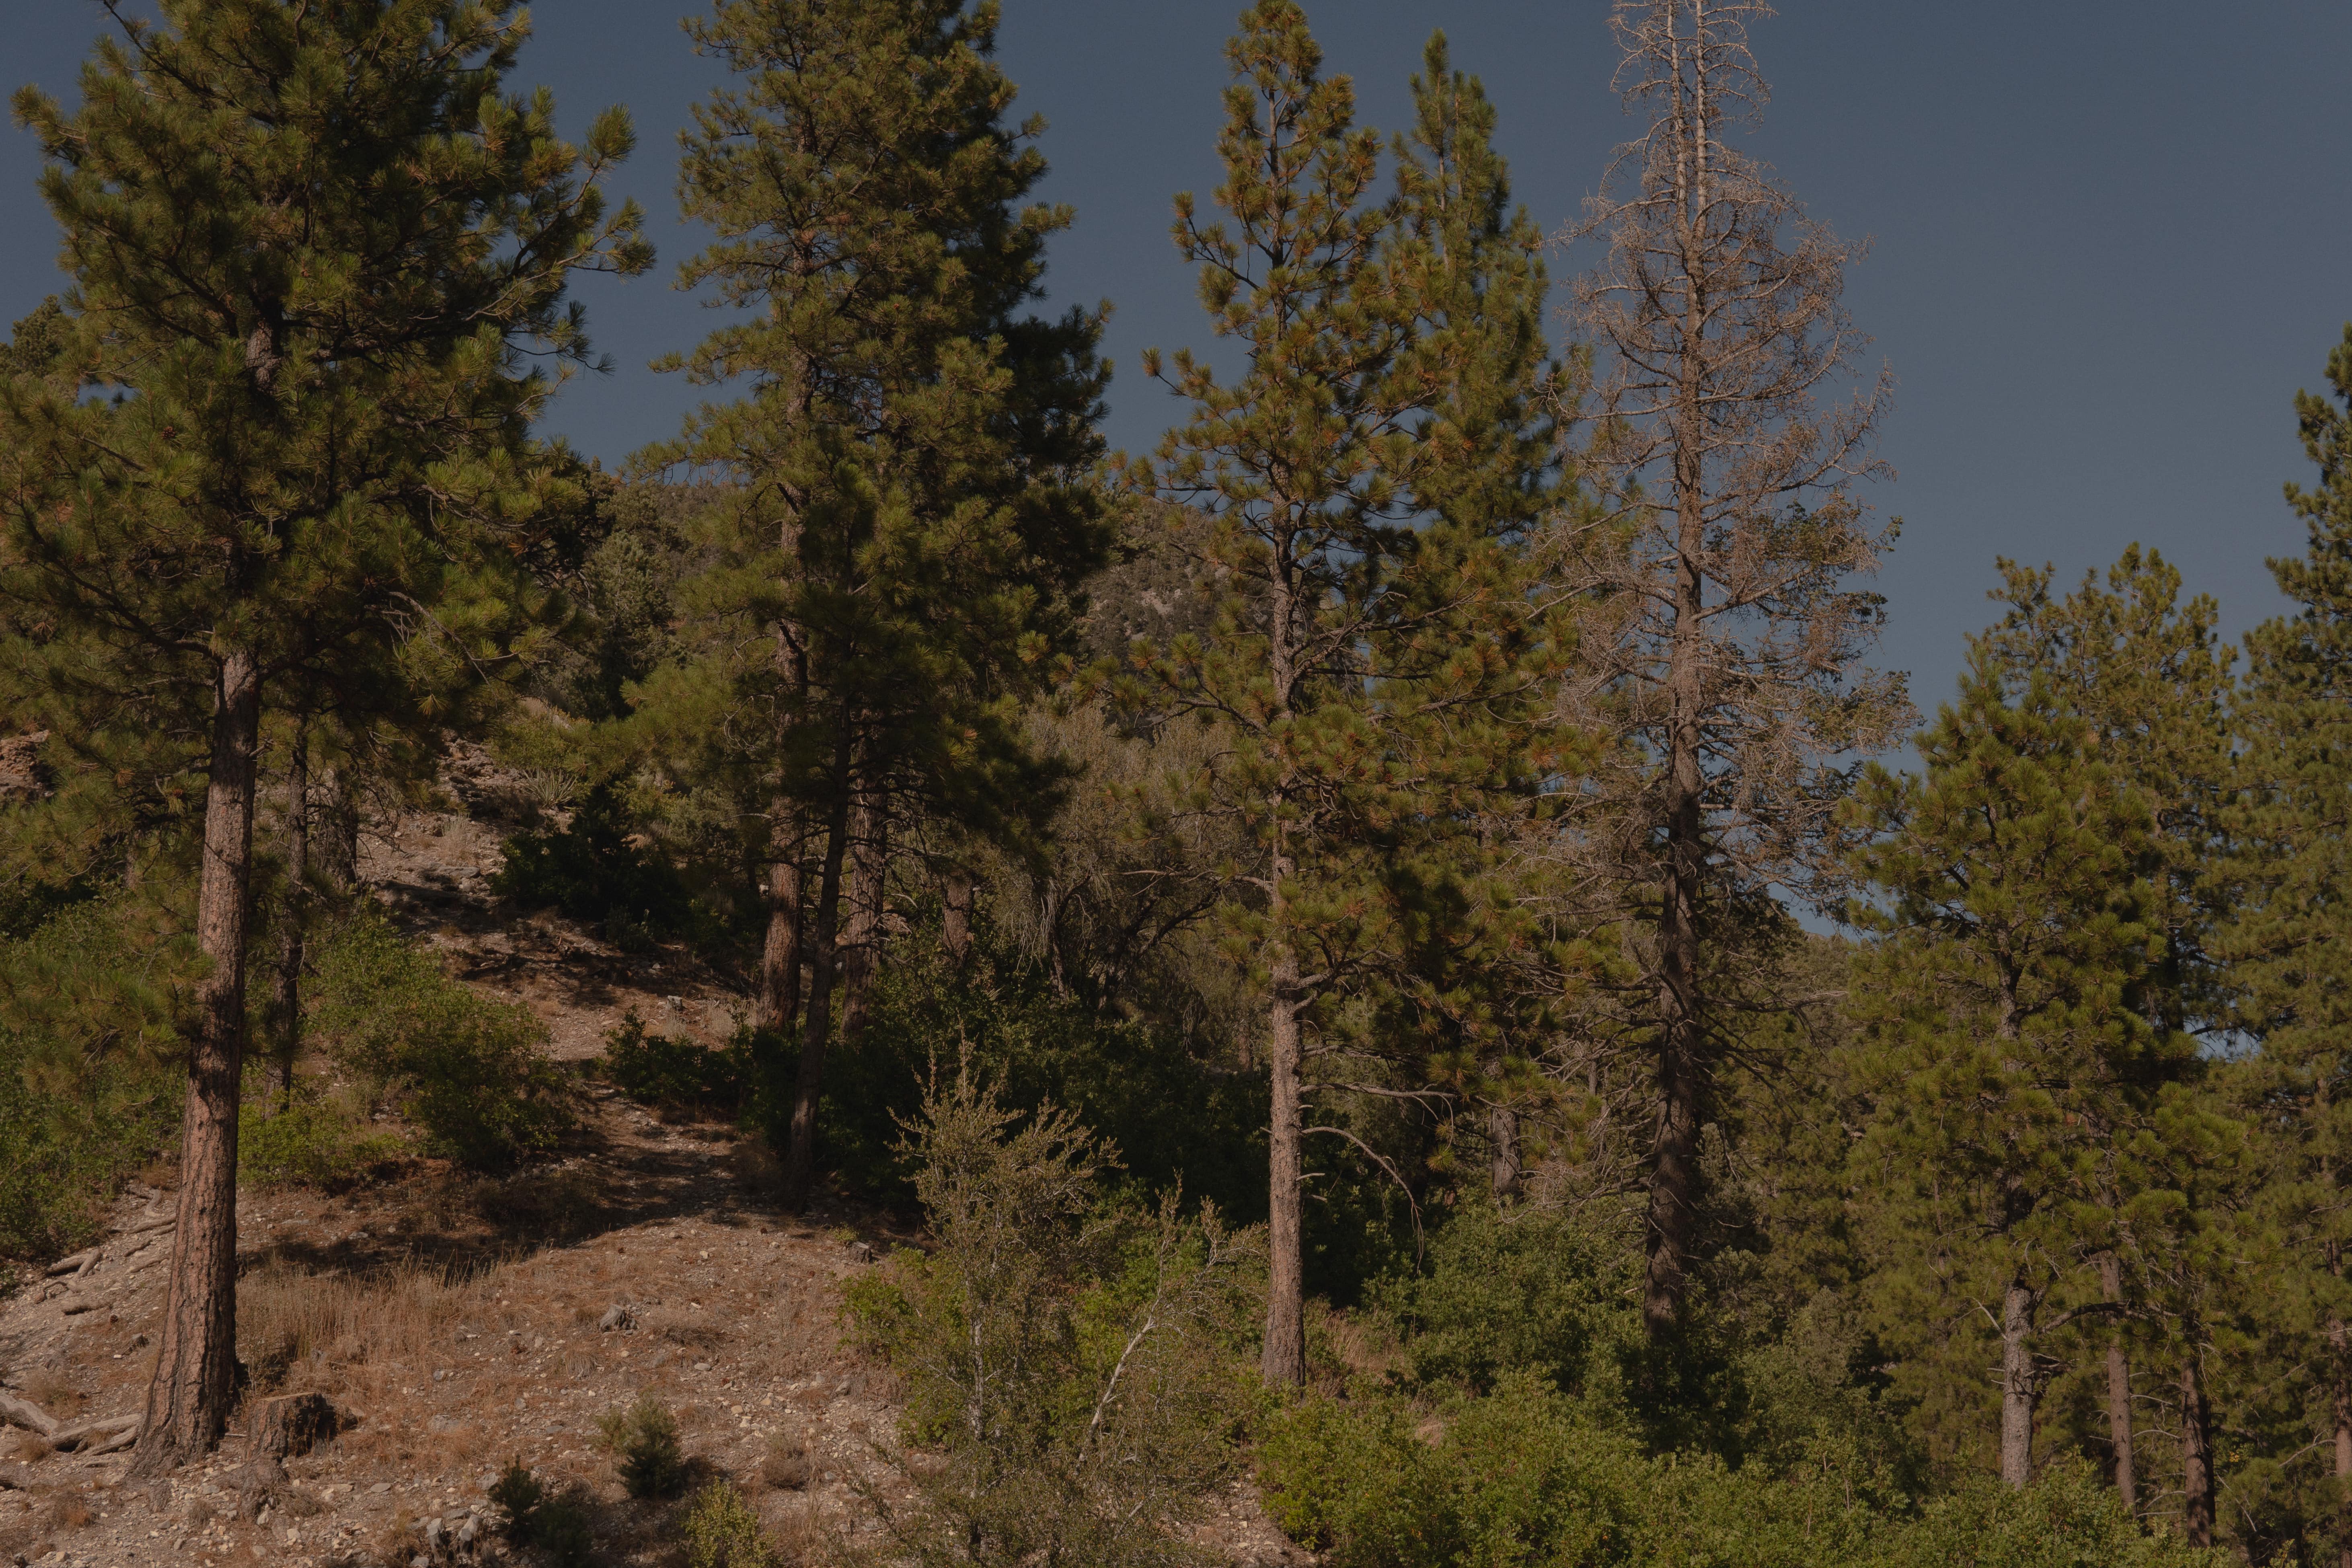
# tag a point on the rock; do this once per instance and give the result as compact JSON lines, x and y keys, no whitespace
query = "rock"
{"x":292,"y":1425}
{"x":616,"y":1318}
{"x":15,"y":1478}
{"x":256,"y":1485}
{"x":863,"y":1251}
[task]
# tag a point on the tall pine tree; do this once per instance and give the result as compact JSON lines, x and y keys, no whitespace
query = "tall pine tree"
{"x":2292,"y":925}
{"x":911,"y":505}
{"x":1364,"y":480}
{"x":313,"y":248}
{"x":2004,"y":1023}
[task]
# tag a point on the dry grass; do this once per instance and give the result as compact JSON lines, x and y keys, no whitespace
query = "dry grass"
{"x":787,"y":1465}
{"x":294,"y":1326}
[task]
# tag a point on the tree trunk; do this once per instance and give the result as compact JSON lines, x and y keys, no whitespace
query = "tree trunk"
{"x":2339,"y":1339}
{"x":799,"y":1153}
{"x":2019,"y":1388}
{"x":285,"y":1007}
{"x":2119,"y":1415}
{"x":1283,"y":1361}
{"x":955,"y":923}
{"x":869,"y":860}
{"x":2196,"y":1445}
{"x":1503,"y":1131}
{"x":1682,"y":1045}
{"x":339,"y":856}
{"x":778,"y":1002}
{"x":195,"y":1382}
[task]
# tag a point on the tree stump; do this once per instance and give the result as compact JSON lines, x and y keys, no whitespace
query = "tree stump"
{"x":292,"y":1425}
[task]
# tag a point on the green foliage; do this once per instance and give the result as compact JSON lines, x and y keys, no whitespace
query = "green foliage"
{"x":470,"y":1073}
{"x":1175,"y":1119}
{"x":557,"y":1523}
{"x":1522,"y":1476}
{"x":660,"y":1070}
{"x":1075,"y":1368}
{"x":592,"y":869}
{"x":315,"y":1142}
{"x":1521,"y":1294}
{"x":643,"y":1440}
{"x":89,"y":1085}
{"x":719,"y":1529}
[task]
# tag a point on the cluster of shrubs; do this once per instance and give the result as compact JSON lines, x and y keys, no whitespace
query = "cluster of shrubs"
{"x":717,"y":1528}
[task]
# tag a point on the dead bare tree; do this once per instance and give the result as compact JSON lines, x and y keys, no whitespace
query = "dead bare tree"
{"x":1724,"y":357}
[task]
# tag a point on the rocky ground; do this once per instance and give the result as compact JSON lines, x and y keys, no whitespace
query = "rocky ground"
{"x":458,"y":1323}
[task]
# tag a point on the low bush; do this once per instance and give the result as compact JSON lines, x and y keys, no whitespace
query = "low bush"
{"x":468,"y":1072}
{"x":719,"y":1529}
{"x":593,"y":869}
{"x":643,"y":1440}
{"x":1076,"y":1365}
{"x":317,"y":1141}
{"x":660,"y":1071}
{"x":1176,"y":1120}
{"x":1522,"y":1477}
{"x":90,"y":1084}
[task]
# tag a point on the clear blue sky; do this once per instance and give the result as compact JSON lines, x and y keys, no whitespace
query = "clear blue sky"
{"x":2111,"y":240}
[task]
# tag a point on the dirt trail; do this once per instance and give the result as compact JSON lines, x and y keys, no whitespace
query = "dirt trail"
{"x":465,"y":1320}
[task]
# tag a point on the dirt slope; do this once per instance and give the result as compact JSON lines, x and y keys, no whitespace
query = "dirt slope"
{"x":460,"y":1321}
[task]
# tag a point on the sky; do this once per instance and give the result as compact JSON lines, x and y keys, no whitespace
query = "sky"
{"x":2108,"y":241}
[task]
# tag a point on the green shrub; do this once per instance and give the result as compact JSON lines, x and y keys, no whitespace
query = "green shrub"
{"x":90,"y":1083}
{"x":520,"y":1495}
{"x":469,"y":1072}
{"x":1174,"y":1118}
{"x":656,"y":1069}
{"x":591,"y":870}
{"x":643,"y":1441}
{"x":316,"y":1143}
{"x":1522,"y":1477}
{"x":721,"y":1530}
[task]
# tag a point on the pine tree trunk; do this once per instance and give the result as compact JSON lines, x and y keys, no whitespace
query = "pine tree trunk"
{"x":2119,"y":1415}
{"x":2339,"y":1339}
{"x":195,"y":1382}
{"x":1681,"y":1045}
{"x":955,"y":920}
{"x":1284,"y":1360}
{"x":2196,"y":1445}
{"x":799,"y":1153}
{"x":2020,"y":1389}
{"x":339,"y":852}
{"x":1503,"y":1131}
{"x":778,"y":1002}
{"x":869,"y":859}
{"x":285,"y":1007}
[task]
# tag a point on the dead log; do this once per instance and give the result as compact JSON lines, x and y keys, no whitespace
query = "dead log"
{"x":81,"y":1432}
{"x":31,"y":1418}
{"x":291,"y":1425}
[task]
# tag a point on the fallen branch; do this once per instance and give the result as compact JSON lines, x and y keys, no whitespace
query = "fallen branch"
{"x":31,"y":1418}
{"x":81,"y":1432}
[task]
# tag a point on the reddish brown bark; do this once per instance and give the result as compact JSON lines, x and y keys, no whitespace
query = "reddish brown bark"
{"x":2119,"y":1416}
{"x":194,"y":1384}
{"x":862,"y":941}
{"x":2196,"y":1447}
{"x":286,"y":1006}
{"x":2020,"y":1389}
{"x":1283,"y":1361}
{"x":955,"y":924}
{"x":824,"y":965}
{"x":778,"y":1002}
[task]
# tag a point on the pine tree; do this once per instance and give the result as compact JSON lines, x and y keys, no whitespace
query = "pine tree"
{"x":310,"y":245}
{"x":2003,"y":1017}
{"x":1363,"y":483}
{"x":2291,"y":924}
{"x":2148,"y":675}
{"x":911,"y":507}
{"x":1717,"y":321}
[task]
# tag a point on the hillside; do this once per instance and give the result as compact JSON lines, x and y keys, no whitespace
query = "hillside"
{"x":458,"y":1323}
